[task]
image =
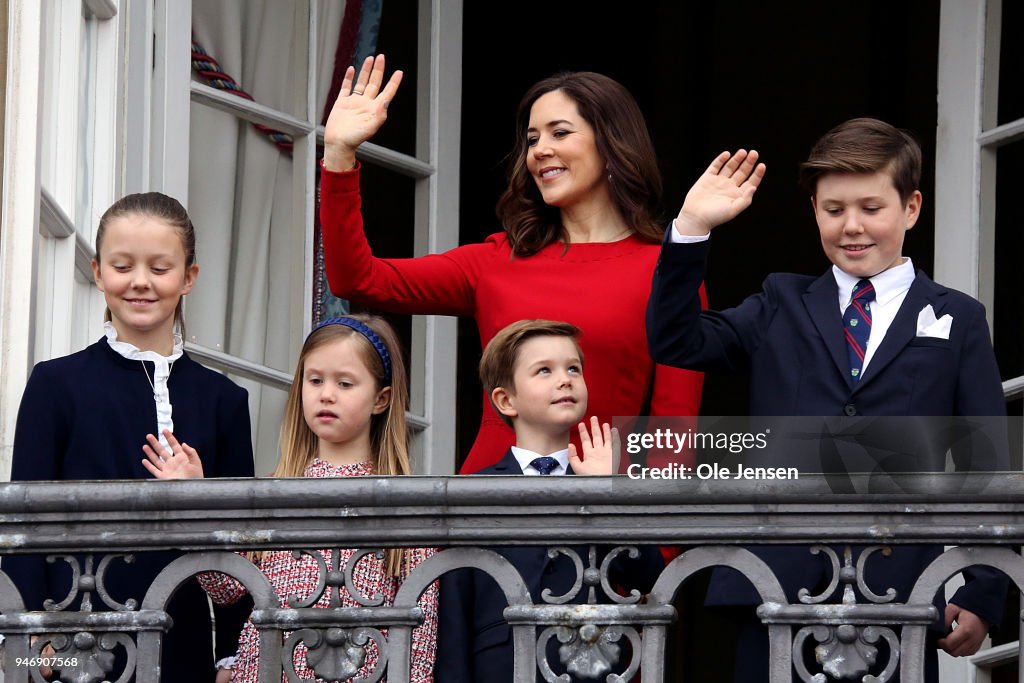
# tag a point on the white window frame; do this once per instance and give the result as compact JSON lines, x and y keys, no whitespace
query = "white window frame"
{"x":78,"y":176}
{"x":54,"y":177}
{"x":20,"y":208}
{"x":436,"y":175}
{"x":967,"y":143}
{"x":142,"y":103}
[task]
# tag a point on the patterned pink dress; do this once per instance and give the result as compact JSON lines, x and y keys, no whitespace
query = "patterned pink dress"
{"x":298,"y":577}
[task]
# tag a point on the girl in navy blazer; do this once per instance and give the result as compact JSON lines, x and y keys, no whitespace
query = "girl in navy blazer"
{"x":88,"y":415}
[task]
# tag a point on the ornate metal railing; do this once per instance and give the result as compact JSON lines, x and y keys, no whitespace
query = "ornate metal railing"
{"x":982,"y":514}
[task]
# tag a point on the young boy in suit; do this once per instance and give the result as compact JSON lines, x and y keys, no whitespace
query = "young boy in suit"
{"x":869,"y":337}
{"x":533,"y":373}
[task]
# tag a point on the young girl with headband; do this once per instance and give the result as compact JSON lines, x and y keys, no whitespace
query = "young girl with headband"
{"x":87,"y":415}
{"x":344,"y":417}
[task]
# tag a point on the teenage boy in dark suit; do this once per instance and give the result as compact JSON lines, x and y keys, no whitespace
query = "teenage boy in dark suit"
{"x":871,"y":337}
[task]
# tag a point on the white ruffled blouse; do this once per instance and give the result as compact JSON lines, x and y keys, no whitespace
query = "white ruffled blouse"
{"x":162,"y":366}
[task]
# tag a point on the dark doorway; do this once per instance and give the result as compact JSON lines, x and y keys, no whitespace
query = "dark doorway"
{"x":709,"y":77}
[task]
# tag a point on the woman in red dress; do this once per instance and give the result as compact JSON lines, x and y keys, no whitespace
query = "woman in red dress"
{"x":580,"y":242}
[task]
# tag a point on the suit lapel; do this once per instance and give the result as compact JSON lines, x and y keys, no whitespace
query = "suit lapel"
{"x":903,"y":329}
{"x":507,"y":465}
{"x":822,"y":302}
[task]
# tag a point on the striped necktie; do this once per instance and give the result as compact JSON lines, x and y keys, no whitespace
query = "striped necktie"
{"x":857,"y":326}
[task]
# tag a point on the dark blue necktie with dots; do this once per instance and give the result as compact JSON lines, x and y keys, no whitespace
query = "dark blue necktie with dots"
{"x":544,"y":464}
{"x":857,"y":326}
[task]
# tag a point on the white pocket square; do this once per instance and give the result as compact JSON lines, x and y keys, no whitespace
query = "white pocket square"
{"x":929,"y":326}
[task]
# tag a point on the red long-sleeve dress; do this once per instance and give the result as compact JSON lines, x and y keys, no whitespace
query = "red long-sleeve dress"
{"x":602,"y":288}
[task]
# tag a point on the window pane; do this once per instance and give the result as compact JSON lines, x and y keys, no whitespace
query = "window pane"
{"x":388,"y":210}
{"x":87,"y":316}
{"x":249,"y":247}
{"x":1005,"y":672}
{"x":65,"y":61}
{"x":340,"y":43}
{"x":266,"y":407}
{"x":398,"y":40}
{"x":1011,"y":63}
{"x":86,"y":127}
{"x":1009,"y":276}
{"x":259,"y":45}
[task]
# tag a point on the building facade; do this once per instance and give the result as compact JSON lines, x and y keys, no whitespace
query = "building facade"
{"x":103,"y":98}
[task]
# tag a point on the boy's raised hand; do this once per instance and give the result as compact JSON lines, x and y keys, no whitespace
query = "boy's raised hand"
{"x":598,"y":451}
{"x":181,"y":463}
{"x":358,"y":113}
{"x":724,"y":190}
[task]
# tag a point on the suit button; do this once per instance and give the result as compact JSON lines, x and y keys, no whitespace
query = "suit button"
{"x":850,"y":409}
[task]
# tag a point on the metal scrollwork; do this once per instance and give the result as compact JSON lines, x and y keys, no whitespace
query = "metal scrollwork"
{"x":871,"y":634}
{"x":85,"y":657}
{"x":848,"y":575}
{"x":805,"y":595}
{"x":87,"y":582}
{"x":335,"y":654}
{"x":634,"y":595}
{"x":547,"y":596}
{"x":592,"y":576}
{"x":890,"y":593}
{"x":588,"y":652}
{"x":334,"y":578}
{"x":859,"y":628}
{"x":350,"y":585}
{"x":846,"y":652}
{"x":321,"y":579}
{"x":76,"y":584}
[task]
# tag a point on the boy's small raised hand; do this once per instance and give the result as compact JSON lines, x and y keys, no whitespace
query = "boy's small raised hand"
{"x":724,"y":190}
{"x":182,"y":462}
{"x":599,"y":449}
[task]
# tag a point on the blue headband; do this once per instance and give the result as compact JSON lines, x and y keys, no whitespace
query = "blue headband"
{"x":371,"y":336}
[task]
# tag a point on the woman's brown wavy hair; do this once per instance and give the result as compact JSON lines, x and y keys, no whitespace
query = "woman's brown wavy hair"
{"x":623,"y":143}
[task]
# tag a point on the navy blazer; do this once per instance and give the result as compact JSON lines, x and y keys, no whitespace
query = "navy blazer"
{"x":474,"y":642}
{"x":789,"y":338}
{"x":86,"y":416}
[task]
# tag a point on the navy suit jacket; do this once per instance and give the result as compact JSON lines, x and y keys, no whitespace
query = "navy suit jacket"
{"x":789,"y":338}
{"x":474,"y":642}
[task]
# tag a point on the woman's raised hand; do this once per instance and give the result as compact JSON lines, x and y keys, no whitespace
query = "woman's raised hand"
{"x":359,"y":111}
{"x":724,"y":190}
